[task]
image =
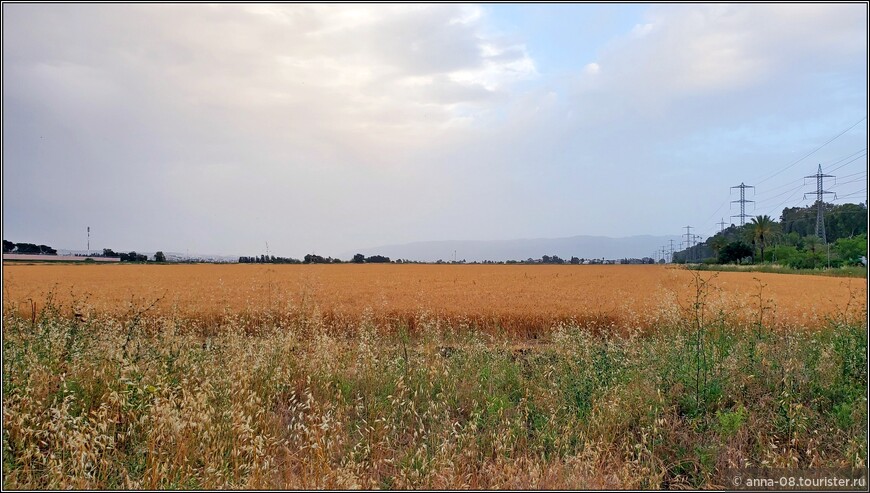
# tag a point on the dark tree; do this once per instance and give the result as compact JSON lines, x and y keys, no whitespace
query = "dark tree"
{"x":546,"y":259}
{"x":377,"y":259}
{"x":845,"y":221}
{"x":28,"y":248}
{"x":133,"y":257}
{"x":734,"y":252}
{"x":47,"y":250}
{"x":108,"y":252}
{"x":8,"y":246}
{"x":159,"y":257}
{"x":358,"y":258}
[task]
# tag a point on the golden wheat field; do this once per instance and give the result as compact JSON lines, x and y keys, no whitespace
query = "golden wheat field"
{"x":426,"y":376}
{"x":521,"y":297}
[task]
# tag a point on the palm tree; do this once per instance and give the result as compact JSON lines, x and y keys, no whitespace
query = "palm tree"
{"x":762,"y":227}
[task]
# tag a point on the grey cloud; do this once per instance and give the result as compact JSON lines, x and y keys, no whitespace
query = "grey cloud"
{"x":320,"y":127}
{"x":425,"y":42}
{"x":188,"y":124}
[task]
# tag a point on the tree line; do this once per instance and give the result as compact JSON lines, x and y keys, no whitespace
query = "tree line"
{"x":268,"y":259}
{"x":312,"y":259}
{"x":791,"y":241}
{"x":132,"y":256}
{"x":27,"y":248}
{"x":33,"y":249}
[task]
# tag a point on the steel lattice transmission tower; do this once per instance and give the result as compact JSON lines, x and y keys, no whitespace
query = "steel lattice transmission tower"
{"x":742,"y":201}
{"x":820,"y":206}
{"x":688,"y":242}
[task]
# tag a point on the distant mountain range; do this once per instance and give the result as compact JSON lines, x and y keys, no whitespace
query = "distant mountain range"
{"x":588,"y":247}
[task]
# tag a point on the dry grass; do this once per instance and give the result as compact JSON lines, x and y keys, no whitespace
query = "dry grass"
{"x":151,"y":403}
{"x":520,"y":299}
{"x":623,"y":389}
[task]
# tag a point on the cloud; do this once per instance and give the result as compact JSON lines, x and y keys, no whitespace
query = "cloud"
{"x":713,"y":48}
{"x":329,"y":127}
{"x":249,"y":113}
{"x":673,"y":112}
{"x":345,"y":67}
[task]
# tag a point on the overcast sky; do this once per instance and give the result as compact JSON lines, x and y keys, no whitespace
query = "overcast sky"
{"x":325,"y":128}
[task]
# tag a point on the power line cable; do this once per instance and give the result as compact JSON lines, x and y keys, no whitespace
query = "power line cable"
{"x":811,"y":152}
{"x":863,"y":190}
{"x":847,"y":182}
{"x":768,"y":190}
{"x":781,"y":194}
{"x":855,"y":174}
{"x":774,"y":209}
{"x":847,"y":163}
{"x":859,"y":151}
{"x":717,"y":210}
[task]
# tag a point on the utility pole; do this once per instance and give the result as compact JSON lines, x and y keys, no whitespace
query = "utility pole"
{"x":672,"y":251}
{"x":688,"y":241}
{"x":89,"y":240}
{"x":820,"y":195}
{"x":721,"y":225}
{"x":742,"y":201}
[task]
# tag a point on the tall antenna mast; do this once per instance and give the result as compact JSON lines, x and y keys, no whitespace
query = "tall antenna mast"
{"x":89,"y":240}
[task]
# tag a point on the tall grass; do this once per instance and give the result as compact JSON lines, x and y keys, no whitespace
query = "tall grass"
{"x":293,"y":401}
{"x":844,"y":271}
